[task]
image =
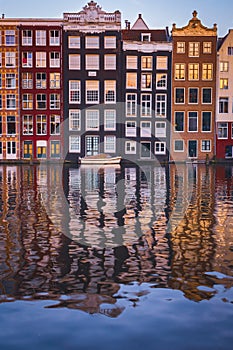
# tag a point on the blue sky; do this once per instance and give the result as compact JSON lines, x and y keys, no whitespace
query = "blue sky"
{"x":157,"y":14}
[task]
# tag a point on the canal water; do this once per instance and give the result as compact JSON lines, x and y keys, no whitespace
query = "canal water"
{"x":116,"y":257}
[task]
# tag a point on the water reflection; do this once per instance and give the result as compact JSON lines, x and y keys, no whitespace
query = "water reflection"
{"x":95,"y":242}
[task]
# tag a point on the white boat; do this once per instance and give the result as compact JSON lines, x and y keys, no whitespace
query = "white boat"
{"x":100,"y":159}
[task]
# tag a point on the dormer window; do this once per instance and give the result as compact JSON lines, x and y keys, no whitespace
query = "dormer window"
{"x":146,"y":37}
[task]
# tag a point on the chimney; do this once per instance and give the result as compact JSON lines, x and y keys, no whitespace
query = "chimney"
{"x":3,"y":15}
{"x":140,"y":15}
{"x":128,"y":25}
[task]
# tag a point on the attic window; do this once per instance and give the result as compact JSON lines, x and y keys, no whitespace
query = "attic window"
{"x":145,"y":37}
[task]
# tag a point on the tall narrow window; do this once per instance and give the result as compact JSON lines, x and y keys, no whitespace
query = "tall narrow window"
{"x":27,"y":125}
{"x":160,"y":109}
{"x":74,"y":119}
{"x":110,"y":91}
{"x":179,"y":121}
{"x":74,"y":91}
{"x":194,"y":49}
{"x":146,"y":109}
{"x":54,"y":38}
{"x":131,"y":105}
{"x":192,"y":121}
{"x":27,"y":59}
{"x":179,"y":71}
{"x":55,"y":121}
{"x":92,"y":91}
{"x":26,"y":37}
{"x":41,"y":37}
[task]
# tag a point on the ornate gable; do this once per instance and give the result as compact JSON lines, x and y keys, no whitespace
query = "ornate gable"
{"x":194,"y":28}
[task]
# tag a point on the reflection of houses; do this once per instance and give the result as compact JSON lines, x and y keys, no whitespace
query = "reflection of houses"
{"x":192,"y":200}
{"x":193,"y":95}
{"x":224,"y":113}
{"x":146,"y":89}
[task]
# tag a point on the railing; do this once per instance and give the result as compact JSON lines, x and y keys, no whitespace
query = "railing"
{"x":102,"y":17}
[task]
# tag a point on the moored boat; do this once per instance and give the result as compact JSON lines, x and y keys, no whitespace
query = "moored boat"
{"x":100,"y":159}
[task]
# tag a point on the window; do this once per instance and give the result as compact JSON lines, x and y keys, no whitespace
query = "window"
{"x":27,"y":59}
{"x":206,"y":95}
{"x":10,"y":81}
{"x":41,"y":149}
{"x":207,"y":71}
{"x":74,"y":62}
{"x":130,"y":147}
{"x":180,"y":47}
{"x":131,"y":62}
{"x":161,"y":62}
{"x":0,"y":125}
{"x":179,"y":146}
{"x":207,"y":47}
{"x":131,"y":105}
{"x":160,"y":147}
{"x":74,"y":91}
{"x":11,"y":148}
{"x":55,"y":149}
{"x":193,"y":49}
{"x":109,"y":91}
{"x":146,"y":109}
{"x":193,"y":71}
{"x":41,"y":125}
{"x":205,"y":145}
{"x":145,"y":37}
{"x":161,"y":81}
{"x":41,"y":101}
{"x":41,"y":82}
{"x":27,"y":81}
{"x":109,"y":62}
{"x":192,"y":121}
{"x":0,"y":101}
{"x":54,"y":38}
{"x":10,"y":37}
{"x":27,"y":101}
{"x":222,"y":130}
{"x":160,"y":105}
{"x":74,"y":144}
{"x":27,"y":125}
{"x":54,"y":59}
{"x":55,"y":121}
{"x":160,"y":129}
{"x":92,"y":42}
{"x":11,"y":125}
{"x":74,"y":120}
{"x":179,"y":95}
{"x":109,"y":119}
{"x":109,"y":42}
{"x":109,"y":144}
{"x":92,"y":91}
{"x":179,"y":71}
{"x":55,"y":102}
{"x":0,"y":59}
{"x":131,"y":129}
{"x":54,"y":80}
{"x":179,"y":121}
{"x":223,"y":105}
{"x":26,"y":38}
{"x":74,"y":42}
{"x":10,"y":59}
{"x":146,"y":81}
{"x":206,"y":121}
{"x":92,"y":119}
{"x":193,"y":95}
{"x":40,"y":59}
{"x":146,"y":62}
{"x":223,"y":83}
{"x":10,"y":101}
{"x":230,"y":50}
{"x":131,"y":80}
{"x":40,"y":37}
{"x":145,"y":129}
{"x":92,"y":62}
{"x":224,"y":66}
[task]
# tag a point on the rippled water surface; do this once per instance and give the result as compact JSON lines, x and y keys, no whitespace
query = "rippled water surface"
{"x":116,"y":257}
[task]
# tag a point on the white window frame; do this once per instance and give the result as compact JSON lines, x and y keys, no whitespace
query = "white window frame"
{"x":132,"y":80}
{"x":145,"y":129}
{"x":205,"y":143}
{"x":55,"y":80}
{"x":110,"y":42}
{"x":189,"y":117}
{"x":26,"y":39}
{"x":131,"y":62}
{"x":55,"y":122}
{"x":92,"y":119}
{"x":162,"y":148}
{"x":160,"y":129}
{"x":130,"y":128}
{"x":74,"y":120}
{"x":146,"y":105}
{"x":92,"y":42}
{"x":109,"y":119}
{"x":109,"y":143}
{"x":92,"y":92}
{"x":161,"y":105}
{"x":178,"y":150}
{"x":41,"y":59}
{"x":162,"y":62}
{"x":54,"y":101}
{"x":109,"y":91}
{"x":74,"y":91}
{"x":74,"y":42}
{"x":54,"y":37}
{"x":92,"y":62}
{"x":74,"y":144}
{"x":132,"y":146}
{"x":161,"y":81}
{"x":10,"y":59}
{"x":54,"y":62}
{"x":74,"y":62}
{"x":110,"y":62}
{"x":41,"y":38}
{"x":131,"y":105}
{"x":29,"y":59}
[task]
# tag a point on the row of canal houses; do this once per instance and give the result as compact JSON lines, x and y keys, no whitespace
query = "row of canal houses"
{"x":82,"y":85}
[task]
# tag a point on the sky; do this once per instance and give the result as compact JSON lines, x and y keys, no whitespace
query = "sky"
{"x":157,"y":14}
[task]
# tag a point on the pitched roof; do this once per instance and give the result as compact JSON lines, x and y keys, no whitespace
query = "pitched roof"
{"x":135,"y":35}
{"x":140,"y":24}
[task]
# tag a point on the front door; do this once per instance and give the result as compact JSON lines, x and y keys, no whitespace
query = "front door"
{"x":145,"y":150}
{"x":92,"y":145}
{"x":192,"y":144}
